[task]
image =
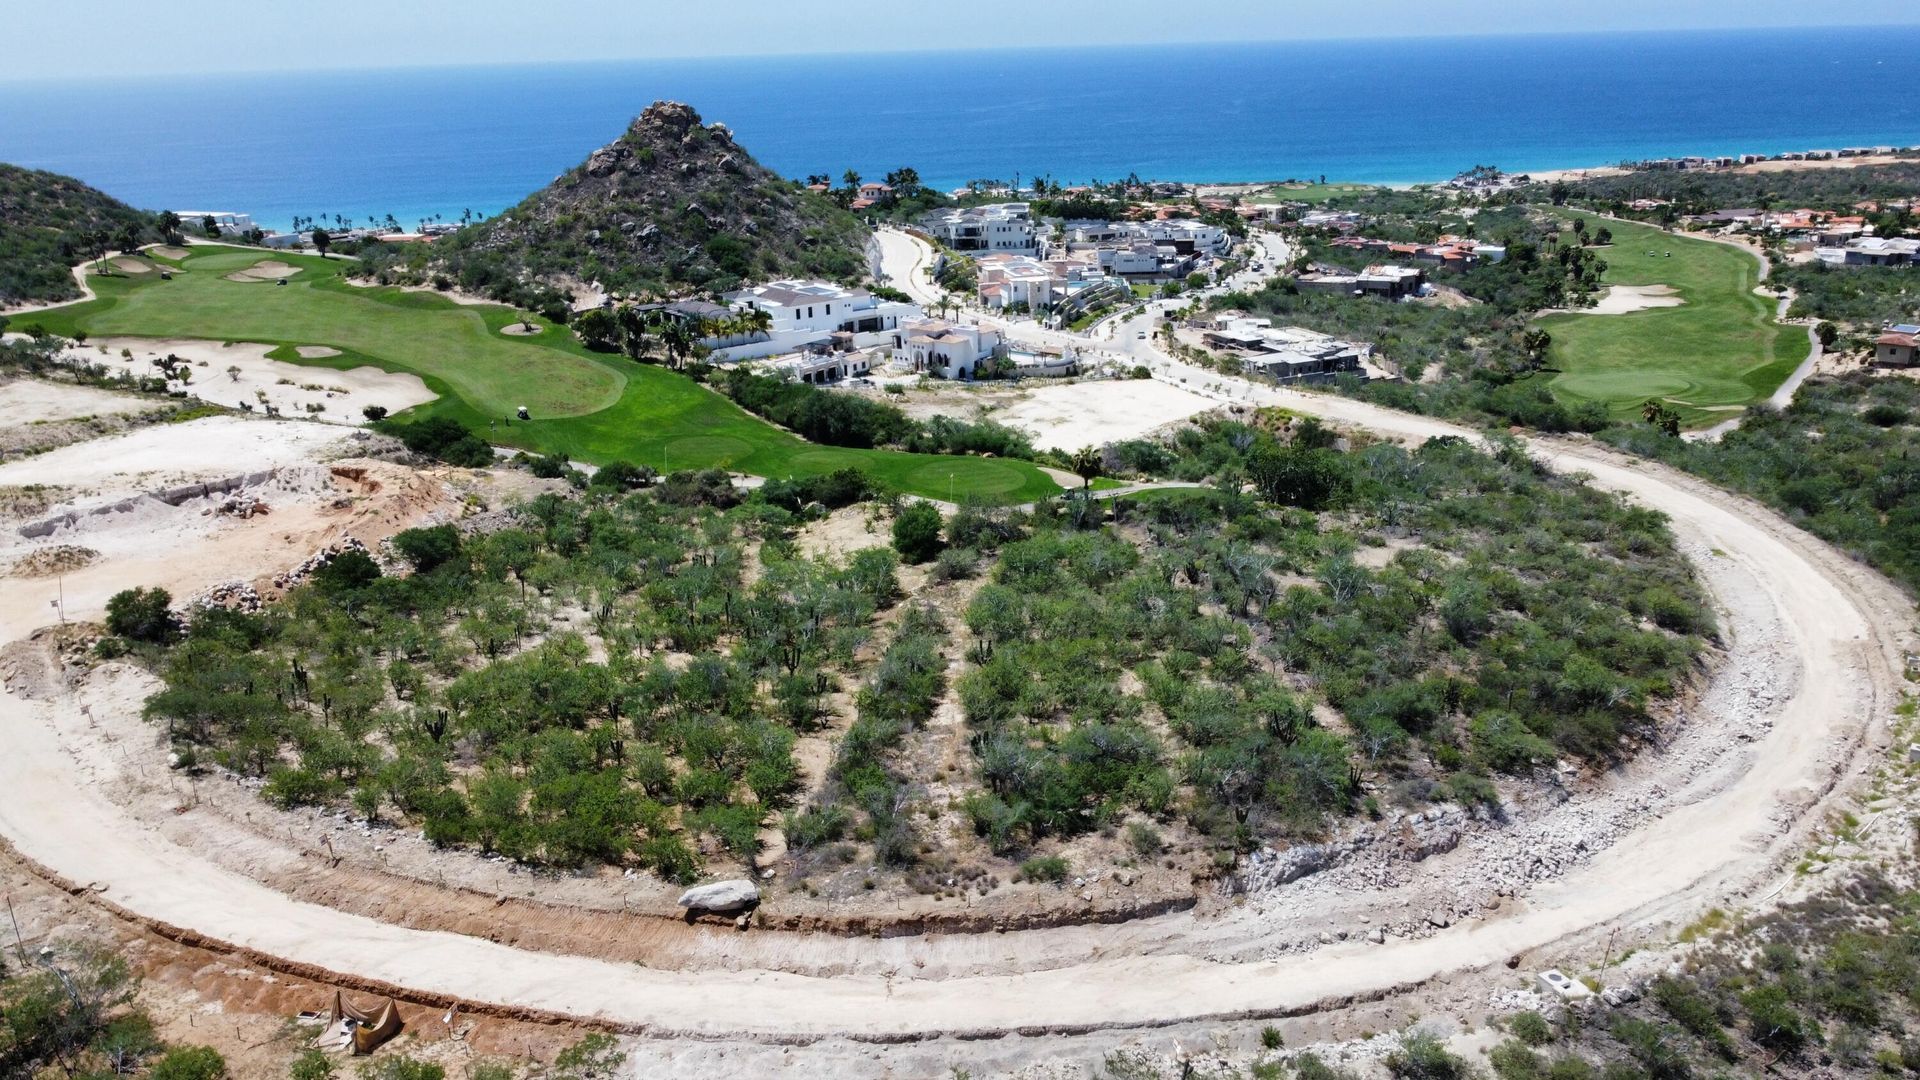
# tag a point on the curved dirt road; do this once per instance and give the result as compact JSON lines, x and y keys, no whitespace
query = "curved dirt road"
{"x":1844,"y":628}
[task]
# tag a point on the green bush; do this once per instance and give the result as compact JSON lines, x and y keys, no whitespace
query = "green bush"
{"x":916,"y":532}
{"x":142,"y":615}
{"x":1045,"y":869}
{"x":189,"y":1063}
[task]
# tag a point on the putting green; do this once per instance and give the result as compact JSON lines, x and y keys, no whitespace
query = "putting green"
{"x":1721,"y":347}
{"x":585,"y":405}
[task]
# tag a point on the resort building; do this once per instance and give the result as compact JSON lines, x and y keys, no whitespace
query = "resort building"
{"x":814,"y":315}
{"x":998,"y":228}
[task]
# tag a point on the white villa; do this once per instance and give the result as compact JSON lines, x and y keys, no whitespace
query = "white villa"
{"x":946,"y":349}
{"x":998,"y":229}
{"x":815,"y":315}
{"x":231,"y":223}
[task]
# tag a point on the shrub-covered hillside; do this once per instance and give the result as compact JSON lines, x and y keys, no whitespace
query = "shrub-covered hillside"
{"x":636,"y":677}
{"x":672,"y":205}
{"x":49,"y":223}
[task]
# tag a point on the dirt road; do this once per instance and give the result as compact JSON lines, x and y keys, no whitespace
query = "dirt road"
{"x":1837,"y":628}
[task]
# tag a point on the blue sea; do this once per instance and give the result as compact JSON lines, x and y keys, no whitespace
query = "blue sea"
{"x":419,"y":142}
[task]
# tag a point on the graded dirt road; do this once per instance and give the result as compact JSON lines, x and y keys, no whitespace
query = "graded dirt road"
{"x":1836,"y":627}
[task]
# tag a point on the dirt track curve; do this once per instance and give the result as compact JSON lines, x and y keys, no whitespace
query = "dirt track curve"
{"x":1844,"y":638}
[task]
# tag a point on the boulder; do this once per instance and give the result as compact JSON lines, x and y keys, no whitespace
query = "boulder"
{"x":720,"y":896}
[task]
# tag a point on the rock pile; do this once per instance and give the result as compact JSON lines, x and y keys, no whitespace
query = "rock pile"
{"x":230,"y":595}
{"x":299,"y":574}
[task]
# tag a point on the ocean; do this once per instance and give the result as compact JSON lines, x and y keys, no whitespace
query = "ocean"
{"x":438,"y":141}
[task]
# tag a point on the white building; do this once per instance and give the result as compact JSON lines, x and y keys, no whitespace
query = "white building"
{"x":1007,"y":281}
{"x":815,"y":315}
{"x":231,"y":224}
{"x":821,"y":367}
{"x":949,"y":350}
{"x":995,"y":229}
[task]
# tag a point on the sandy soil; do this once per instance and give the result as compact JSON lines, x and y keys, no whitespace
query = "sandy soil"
{"x":169,"y":454}
{"x":33,"y":401}
{"x":1552,"y":175}
{"x":130,"y":265}
{"x":291,"y":388}
{"x":520,"y":330}
{"x":166,"y":252}
{"x":1072,"y":415}
{"x":316,"y":352}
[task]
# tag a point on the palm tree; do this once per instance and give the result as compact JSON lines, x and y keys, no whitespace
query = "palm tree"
{"x":634,"y":325}
{"x":1086,"y":465}
{"x":679,"y":340}
{"x":756,"y":321}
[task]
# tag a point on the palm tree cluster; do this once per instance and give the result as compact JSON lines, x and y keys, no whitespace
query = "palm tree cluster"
{"x":635,"y":329}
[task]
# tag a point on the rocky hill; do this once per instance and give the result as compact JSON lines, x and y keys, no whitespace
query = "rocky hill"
{"x":671,"y":206}
{"x":49,"y":222}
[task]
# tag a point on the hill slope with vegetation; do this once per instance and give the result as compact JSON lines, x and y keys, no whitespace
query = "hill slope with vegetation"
{"x":49,"y":222}
{"x":671,"y":206}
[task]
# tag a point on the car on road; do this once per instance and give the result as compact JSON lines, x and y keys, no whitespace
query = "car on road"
{"x":1142,"y":335}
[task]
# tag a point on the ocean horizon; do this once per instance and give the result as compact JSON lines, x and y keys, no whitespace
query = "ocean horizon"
{"x":416,"y":143}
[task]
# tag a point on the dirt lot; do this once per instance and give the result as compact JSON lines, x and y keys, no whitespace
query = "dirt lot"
{"x":1064,"y":415}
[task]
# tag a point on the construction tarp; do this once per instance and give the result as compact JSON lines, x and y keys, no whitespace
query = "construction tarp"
{"x":357,"y":1030}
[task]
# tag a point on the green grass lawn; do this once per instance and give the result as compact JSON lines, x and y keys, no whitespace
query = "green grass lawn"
{"x":590,"y":407}
{"x":1721,"y":348}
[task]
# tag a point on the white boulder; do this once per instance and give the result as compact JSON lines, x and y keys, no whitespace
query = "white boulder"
{"x":721,"y":896}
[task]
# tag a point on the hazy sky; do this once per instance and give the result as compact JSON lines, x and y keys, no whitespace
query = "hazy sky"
{"x":168,"y":36}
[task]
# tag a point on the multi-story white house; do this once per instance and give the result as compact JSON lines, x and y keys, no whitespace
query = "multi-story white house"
{"x":1007,"y":281}
{"x":996,"y":229}
{"x":949,"y":350}
{"x":814,"y":315}
{"x":231,"y":223}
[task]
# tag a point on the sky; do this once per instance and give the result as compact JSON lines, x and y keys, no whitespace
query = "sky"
{"x":202,"y":36}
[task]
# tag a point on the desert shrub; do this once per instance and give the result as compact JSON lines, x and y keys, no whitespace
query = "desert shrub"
{"x":1045,"y":869}
{"x":142,"y":615}
{"x":916,"y":532}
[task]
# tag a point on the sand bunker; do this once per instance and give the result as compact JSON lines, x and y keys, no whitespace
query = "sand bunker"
{"x":520,"y":330}
{"x":168,"y":252}
{"x":268,"y":270}
{"x":128,"y":265}
{"x":333,"y":395}
{"x":1625,"y":299}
